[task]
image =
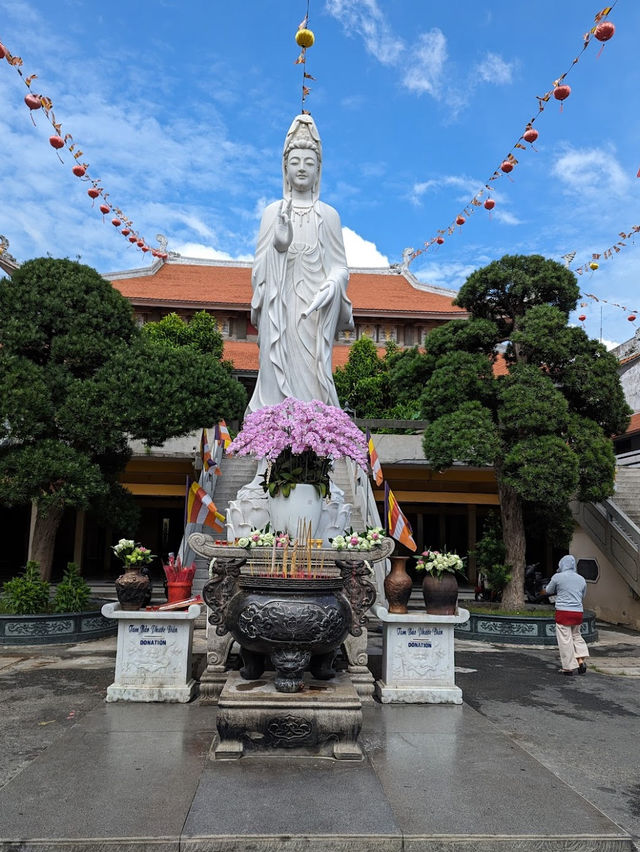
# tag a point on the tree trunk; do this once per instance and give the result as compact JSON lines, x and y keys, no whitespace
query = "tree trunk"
{"x":44,"y":538}
{"x":515,"y":544}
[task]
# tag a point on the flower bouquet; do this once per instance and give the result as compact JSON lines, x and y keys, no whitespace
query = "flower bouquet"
{"x":264,"y":538}
{"x":439,"y":586}
{"x":299,"y":441}
{"x":132,"y":555}
{"x":134,"y":586}
{"x":437,"y":563}
{"x":370,"y":538}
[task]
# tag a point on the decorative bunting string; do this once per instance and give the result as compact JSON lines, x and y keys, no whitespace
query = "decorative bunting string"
{"x":304,"y":39}
{"x":80,"y":169}
{"x":607,"y":254}
{"x":602,"y":30}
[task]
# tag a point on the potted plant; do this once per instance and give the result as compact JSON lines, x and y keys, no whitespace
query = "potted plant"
{"x":440,"y":586}
{"x":299,"y":442}
{"x":133,"y":587}
{"x":179,"y":579}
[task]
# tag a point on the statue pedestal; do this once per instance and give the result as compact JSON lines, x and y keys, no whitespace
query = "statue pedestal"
{"x":153,"y":660}
{"x":322,"y":720}
{"x":417,"y":658}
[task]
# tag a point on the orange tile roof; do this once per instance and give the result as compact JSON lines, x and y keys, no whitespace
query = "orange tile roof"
{"x":634,"y":424}
{"x":375,"y":293}
{"x":244,"y":354}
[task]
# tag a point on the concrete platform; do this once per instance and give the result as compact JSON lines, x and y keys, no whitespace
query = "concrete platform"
{"x":137,"y":777}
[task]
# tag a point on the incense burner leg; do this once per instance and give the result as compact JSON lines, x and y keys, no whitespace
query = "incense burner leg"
{"x":321,"y":666}
{"x":290,"y":665}
{"x":254,"y":664}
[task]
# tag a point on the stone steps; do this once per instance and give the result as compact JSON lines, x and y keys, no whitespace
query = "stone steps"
{"x":627,"y":492}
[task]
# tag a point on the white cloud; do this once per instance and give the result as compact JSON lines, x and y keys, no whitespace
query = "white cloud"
{"x":590,"y":171}
{"x":428,"y":58}
{"x":366,"y":18}
{"x":362,"y":253}
{"x":450,"y":275}
{"x":199,"y":250}
{"x":493,"y":69}
{"x":506,"y":218}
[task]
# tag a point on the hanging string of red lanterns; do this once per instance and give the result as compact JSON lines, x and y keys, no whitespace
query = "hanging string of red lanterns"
{"x":80,"y":169}
{"x":602,"y":30}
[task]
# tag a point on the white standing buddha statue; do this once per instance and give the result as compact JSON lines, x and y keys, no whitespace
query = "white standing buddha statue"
{"x":299,"y":281}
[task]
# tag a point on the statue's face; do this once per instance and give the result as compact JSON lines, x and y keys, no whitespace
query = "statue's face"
{"x":302,"y":168}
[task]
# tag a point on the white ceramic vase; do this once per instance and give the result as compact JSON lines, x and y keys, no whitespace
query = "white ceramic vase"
{"x":303,"y":504}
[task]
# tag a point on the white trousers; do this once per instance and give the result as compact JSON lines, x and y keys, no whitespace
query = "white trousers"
{"x":571,"y":645}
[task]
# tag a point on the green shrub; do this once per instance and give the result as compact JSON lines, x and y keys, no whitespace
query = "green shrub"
{"x":73,"y":592}
{"x":498,"y":575}
{"x":27,"y":594}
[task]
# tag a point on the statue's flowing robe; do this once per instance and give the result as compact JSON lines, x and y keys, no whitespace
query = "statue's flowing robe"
{"x":295,"y":353}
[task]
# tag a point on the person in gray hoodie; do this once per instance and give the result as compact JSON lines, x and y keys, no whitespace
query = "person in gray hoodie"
{"x":569,"y":588}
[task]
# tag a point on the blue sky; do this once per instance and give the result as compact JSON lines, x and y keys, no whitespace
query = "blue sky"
{"x":181,"y":110}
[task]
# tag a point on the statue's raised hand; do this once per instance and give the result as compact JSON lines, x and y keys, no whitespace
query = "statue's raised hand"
{"x":283,"y":231}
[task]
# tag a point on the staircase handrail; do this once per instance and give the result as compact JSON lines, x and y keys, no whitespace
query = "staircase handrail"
{"x":617,"y":536}
{"x":630,"y":459}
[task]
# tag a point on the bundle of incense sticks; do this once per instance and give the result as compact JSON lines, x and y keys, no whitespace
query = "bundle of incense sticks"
{"x":194,"y":599}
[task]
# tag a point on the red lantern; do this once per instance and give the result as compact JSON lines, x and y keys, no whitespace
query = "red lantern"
{"x":140,"y":243}
{"x":104,"y":208}
{"x":631,"y":317}
{"x":133,"y":238}
{"x":56,"y":142}
{"x":506,"y":166}
{"x":560,"y":93}
{"x":116,"y":222}
{"x":530,"y":134}
{"x":78,"y":170}
{"x":32,"y":101}
{"x":163,"y":255}
{"x":93,"y":192}
{"x":3,"y":51}
{"x":439,"y":240}
{"x":144,"y":248}
{"x":582,"y":317}
{"x":126,"y":232}
{"x":489,"y":204}
{"x":604,"y":31}
{"x":460,"y":220}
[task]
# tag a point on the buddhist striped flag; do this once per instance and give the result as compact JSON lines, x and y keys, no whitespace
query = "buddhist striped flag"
{"x":397,"y":524}
{"x":205,"y":450}
{"x":202,"y":510}
{"x":374,"y":461}
{"x":208,"y":450}
{"x":222,"y":434}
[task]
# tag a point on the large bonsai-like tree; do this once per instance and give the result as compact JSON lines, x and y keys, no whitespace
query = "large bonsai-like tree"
{"x":546,"y":423}
{"x":78,"y":381}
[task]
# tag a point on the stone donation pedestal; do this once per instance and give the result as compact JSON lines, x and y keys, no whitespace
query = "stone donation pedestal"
{"x":153,"y":661}
{"x":417,"y":658}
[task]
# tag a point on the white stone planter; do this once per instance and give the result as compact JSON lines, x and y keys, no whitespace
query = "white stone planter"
{"x":153,"y":661}
{"x":417,"y":658}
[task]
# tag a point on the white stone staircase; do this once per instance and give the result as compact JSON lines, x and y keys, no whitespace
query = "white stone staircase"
{"x":627,"y":492}
{"x":614,"y":524}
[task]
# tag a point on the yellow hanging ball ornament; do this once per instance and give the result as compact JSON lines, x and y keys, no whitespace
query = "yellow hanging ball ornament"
{"x":305,"y":38}
{"x":593,"y":265}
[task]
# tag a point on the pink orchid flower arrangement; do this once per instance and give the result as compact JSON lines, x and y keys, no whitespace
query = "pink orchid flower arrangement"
{"x":299,"y":441}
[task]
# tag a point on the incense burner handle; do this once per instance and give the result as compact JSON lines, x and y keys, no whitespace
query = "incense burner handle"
{"x":360,"y":593}
{"x":220,"y":589}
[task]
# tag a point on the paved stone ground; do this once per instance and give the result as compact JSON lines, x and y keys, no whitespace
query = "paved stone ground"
{"x":583,"y":729}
